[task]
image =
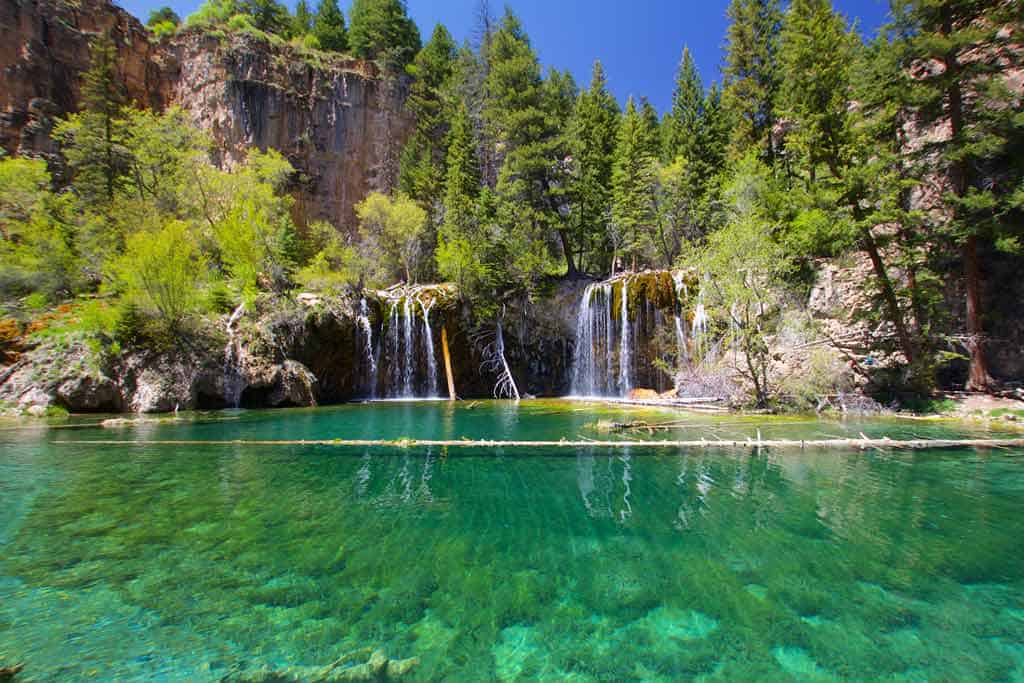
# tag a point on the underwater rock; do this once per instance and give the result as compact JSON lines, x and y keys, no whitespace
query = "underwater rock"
{"x":8,"y":673}
{"x":377,"y":667}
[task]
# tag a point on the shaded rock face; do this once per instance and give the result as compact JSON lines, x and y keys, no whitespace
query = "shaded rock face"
{"x":340,"y":122}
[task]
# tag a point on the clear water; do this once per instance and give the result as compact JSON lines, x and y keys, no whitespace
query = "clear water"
{"x":179,"y":563}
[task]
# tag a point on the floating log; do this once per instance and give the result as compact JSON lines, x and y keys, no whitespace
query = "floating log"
{"x":844,"y":444}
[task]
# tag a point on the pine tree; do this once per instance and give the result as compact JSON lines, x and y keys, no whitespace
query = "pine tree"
{"x":955,"y":56}
{"x":652,"y":129}
{"x":461,"y":254}
{"x":329,"y":27}
{"x":816,"y":55}
{"x":815,"y":59}
{"x":94,"y":140}
{"x":422,"y":168}
{"x":750,"y":74}
{"x":714,"y":133}
{"x":381,"y":29}
{"x":633,"y":178}
{"x":594,"y":129}
{"x":528,"y":140}
{"x":682,"y":138}
{"x":302,"y":22}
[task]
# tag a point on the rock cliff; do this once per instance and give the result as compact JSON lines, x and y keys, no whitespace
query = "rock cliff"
{"x":340,"y":122}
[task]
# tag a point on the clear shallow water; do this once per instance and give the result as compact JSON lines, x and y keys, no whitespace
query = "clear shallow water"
{"x":171,"y":563}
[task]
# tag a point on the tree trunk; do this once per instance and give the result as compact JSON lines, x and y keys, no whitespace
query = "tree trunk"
{"x":888,"y":295}
{"x":978,"y":378}
{"x":447,"y":363}
{"x":567,"y":249}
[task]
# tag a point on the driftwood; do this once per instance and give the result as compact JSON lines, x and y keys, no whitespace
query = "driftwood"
{"x":447,"y":363}
{"x":843,"y":444}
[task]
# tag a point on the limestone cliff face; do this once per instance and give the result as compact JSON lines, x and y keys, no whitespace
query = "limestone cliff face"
{"x":340,"y":122}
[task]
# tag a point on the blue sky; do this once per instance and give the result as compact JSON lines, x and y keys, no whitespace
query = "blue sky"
{"x":639,"y":42}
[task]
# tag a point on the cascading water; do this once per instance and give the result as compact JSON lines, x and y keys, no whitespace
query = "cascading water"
{"x":625,"y":349}
{"x":407,"y":348}
{"x":618,"y":340}
{"x":428,"y":349}
{"x":366,"y":330}
{"x":406,"y":356}
{"x":233,"y":383}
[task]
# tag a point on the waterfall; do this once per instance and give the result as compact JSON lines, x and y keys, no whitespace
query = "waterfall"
{"x":617,"y":341}
{"x":625,"y":350}
{"x":393,"y":343}
{"x":232,"y":375}
{"x":407,"y":348}
{"x":367,"y":331}
{"x":428,"y":348}
{"x":584,"y":369}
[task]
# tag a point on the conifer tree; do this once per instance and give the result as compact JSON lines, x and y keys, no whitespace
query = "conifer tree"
{"x":652,"y":129}
{"x":94,"y":141}
{"x":594,"y":129}
{"x":750,"y":74}
{"x":329,"y":27}
{"x":633,"y":179}
{"x":421,"y":174}
{"x":955,"y":57}
{"x":682,"y":138}
{"x":302,"y":22}
{"x":529,"y":140}
{"x":381,"y":29}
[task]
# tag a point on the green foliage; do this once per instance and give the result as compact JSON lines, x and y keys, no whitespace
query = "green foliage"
{"x":329,"y":27}
{"x":633,"y":180}
{"x":333,"y":262}
{"x":593,"y":133}
{"x":750,"y":73}
{"x":683,"y":134}
{"x":163,"y":22}
{"x":162,"y":273}
{"x":746,"y":274}
{"x":390,"y":230}
{"x":302,"y":22}
{"x":382,"y":30}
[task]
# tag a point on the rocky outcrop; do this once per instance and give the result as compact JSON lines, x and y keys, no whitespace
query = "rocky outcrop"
{"x":340,"y":122}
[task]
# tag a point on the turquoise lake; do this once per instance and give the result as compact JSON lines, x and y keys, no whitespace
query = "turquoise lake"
{"x":136,"y":562}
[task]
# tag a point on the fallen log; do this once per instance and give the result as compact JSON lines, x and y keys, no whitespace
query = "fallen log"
{"x":839,"y":443}
{"x":8,"y":673}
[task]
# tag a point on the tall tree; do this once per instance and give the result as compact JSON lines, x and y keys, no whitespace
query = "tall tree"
{"x":381,"y":29}
{"x":94,"y":141}
{"x":816,"y":57}
{"x":594,"y":129}
{"x":422,"y":168}
{"x":329,"y":27}
{"x":750,"y":73}
{"x":302,"y":22}
{"x":957,"y":56}
{"x":516,"y":119}
{"x":633,"y":178}
{"x":682,"y":138}
{"x":652,"y":129}
{"x":461,"y":254}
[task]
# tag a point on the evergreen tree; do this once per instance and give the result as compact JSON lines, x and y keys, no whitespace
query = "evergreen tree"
{"x":714,"y":130}
{"x":815,"y":59}
{"x":633,"y":178}
{"x":329,"y":27}
{"x":682,"y":138}
{"x":529,"y":141}
{"x":594,"y":129}
{"x":461,"y":254}
{"x":267,"y":15}
{"x":750,"y":74}
{"x":421,"y":174}
{"x":94,"y":141}
{"x":302,"y":22}
{"x":381,"y":29}
{"x":955,"y":56}
{"x":652,"y":129}
{"x":816,"y":55}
